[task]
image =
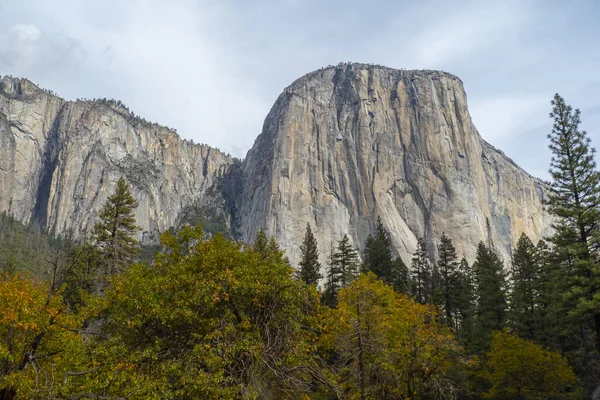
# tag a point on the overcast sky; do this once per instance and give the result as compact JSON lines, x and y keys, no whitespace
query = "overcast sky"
{"x":213,"y":69}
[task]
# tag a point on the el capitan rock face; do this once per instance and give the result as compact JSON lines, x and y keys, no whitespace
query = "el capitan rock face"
{"x":345,"y":144}
{"x":340,"y":146}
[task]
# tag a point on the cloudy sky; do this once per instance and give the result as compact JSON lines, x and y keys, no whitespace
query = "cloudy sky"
{"x":212,"y":69}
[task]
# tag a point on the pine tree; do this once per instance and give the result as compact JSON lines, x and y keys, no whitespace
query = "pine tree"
{"x":550,"y":296}
{"x":575,"y":200}
{"x":421,"y":274}
{"x":490,"y":289}
{"x":378,"y":254}
{"x":525,"y":296}
{"x":309,"y":262}
{"x":115,"y":233}
{"x":465,"y":302}
{"x":261,"y":242}
{"x":268,"y":247}
{"x":343,"y":269}
{"x":400,"y":278}
{"x":346,"y":261}
{"x":332,"y":284}
{"x":449,"y":279}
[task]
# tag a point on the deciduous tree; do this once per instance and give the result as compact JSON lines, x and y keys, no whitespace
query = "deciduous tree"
{"x":388,"y":347}
{"x":518,"y":369}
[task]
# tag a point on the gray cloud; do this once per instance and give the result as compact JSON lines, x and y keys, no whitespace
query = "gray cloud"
{"x":28,"y":51}
{"x":213,"y":69}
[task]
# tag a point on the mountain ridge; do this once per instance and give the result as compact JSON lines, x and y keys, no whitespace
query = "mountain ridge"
{"x":348,"y":109}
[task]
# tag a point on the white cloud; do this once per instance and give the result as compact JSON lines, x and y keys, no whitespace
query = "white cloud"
{"x":25,"y":32}
{"x":26,"y":51}
{"x":159,"y":58}
{"x":213,"y":69}
{"x":501,"y":120}
{"x":458,"y":33}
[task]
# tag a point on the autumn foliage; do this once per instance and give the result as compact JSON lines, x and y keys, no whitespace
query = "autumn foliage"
{"x":518,"y":369}
{"x":387,"y":346}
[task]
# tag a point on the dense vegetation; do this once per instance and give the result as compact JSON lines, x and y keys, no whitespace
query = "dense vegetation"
{"x":206,"y":317}
{"x":25,"y":248}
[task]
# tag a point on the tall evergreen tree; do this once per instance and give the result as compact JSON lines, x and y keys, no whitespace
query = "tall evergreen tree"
{"x":550,"y":289}
{"x":332,"y":283}
{"x":490,"y":289}
{"x":465,"y":302}
{"x":261,"y":242}
{"x":400,"y":278}
{"x":421,"y":274}
{"x":378,"y":254}
{"x":345,"y":258}
{"x":268,"y":247}
{"x":309,"y":262}
{"x":448,"y":279}
{"x":115,"y":233}
{"x":575,"y":200}
{"x":524,"y":304}
{"x":343,"y":268}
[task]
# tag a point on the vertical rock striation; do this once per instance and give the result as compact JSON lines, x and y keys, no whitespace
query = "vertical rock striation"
{"x":345,"y":144}
{"x":59,"y":161}
{"x":340,"y":146}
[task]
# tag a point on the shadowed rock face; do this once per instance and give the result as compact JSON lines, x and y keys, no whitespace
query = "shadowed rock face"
{"x":60,"y":160}
{"x":345,"y":144}
{"x":340,"y":146}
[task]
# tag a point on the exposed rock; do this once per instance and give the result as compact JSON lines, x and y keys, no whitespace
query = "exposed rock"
{"x":345,"y":144}
{"x":59,"y":161}
{"x":340,"y":146}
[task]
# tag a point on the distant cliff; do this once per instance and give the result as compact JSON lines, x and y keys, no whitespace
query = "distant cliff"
{"x":345,"y":144}
{"x":340,"y":146}
{"x":59,"y":160}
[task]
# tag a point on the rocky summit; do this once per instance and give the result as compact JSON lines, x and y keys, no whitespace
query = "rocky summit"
{"x":341,"y":146}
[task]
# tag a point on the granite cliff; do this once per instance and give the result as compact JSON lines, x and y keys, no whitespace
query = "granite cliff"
{"x":345,"y":144}
{"x":340,"y":146}
{"x":59,"y":161}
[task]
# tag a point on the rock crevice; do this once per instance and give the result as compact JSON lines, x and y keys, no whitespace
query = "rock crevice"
{"x":339,"y":147}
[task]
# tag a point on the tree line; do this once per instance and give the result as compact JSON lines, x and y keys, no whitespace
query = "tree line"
{"x":208,"y":317}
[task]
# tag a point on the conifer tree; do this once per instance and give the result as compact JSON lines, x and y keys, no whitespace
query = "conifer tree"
{"x":345,"y":258}
{"x":309,"y":262}
{"x":332,"y":283}
{"x":115,"y":233}
{"x":449,"y":279}
{"x":575,"y":200}
{"x":261,"y":242}
{"x":465,"y":301}
{"x":273,"y":247}
{"x":526,"y":283}
{"x":268,"y":247}
{"x":421,"y":274}
{"x":378,"y":254}
{"x":490,"y":289}
{"x":343,"y":268}
{"x":550,"y":296}
{"x":400,"y":278}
